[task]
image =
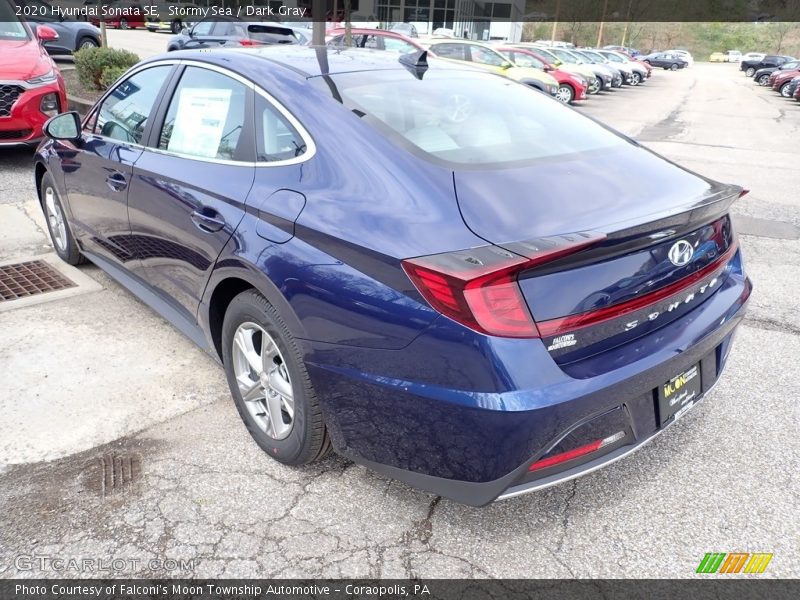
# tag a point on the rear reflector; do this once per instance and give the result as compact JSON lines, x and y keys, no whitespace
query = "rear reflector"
{"x":557,"y":459}
{"x":478,"y":287}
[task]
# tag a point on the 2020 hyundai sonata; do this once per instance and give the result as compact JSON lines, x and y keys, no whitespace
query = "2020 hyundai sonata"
{"x":479,"y":302}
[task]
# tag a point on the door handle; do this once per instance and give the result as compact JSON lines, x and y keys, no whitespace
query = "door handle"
{"x":209,"y":221}
{"x":116,"y":181}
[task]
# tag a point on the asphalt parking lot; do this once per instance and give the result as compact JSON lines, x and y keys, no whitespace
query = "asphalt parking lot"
{"x":98,"y":375}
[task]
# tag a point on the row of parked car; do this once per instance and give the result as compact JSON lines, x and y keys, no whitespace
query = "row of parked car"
{"x":784,"y":79}
{"x":568,"y":74}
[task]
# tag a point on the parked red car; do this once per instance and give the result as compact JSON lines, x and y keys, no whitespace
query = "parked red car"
{"x":121,"y":15}
{"x":377,"y":39}
{"x":31,"y":86}
{"x":571,"y":87}
{"x":781,"y":81}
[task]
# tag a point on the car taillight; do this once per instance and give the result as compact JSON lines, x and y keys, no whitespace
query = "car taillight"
{"x":563,"y":457}
{"x":248,"y":42}
{"x":478,"y":287}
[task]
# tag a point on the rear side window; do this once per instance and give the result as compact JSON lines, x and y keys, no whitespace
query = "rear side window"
{"x":206,"y":116}
{"x":276,"y":138}
{"x":484,"y":56}
{"x":453,"y":117}
{"x":124,"y":113}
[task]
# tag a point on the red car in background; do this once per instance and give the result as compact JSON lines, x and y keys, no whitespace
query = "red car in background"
{"x":571,"y":87}
{"x":31,"y":86}
{"x":377,"y":39}
{"x":646,"y":65}
{"x":121,"y":15}
{"x":782,"y":80}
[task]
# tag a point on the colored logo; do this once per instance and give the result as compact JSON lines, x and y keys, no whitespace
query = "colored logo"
{"x":734,"y":562}
{"x":680,"y":253}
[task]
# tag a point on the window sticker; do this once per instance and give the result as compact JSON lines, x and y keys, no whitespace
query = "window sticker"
{"x":200,"y":120}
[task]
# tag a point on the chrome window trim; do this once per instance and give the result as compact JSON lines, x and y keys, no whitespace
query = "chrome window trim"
{"x":311,"y":147}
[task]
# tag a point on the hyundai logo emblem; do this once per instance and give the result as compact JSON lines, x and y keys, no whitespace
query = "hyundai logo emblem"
{"x":680,"y":253}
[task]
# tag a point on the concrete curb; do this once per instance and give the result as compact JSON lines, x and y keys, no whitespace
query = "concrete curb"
{"x":80,"y":105}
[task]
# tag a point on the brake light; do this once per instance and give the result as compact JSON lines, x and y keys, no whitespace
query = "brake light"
{"x":249,"y":42}
{"x":557,"y":459}
{"x":743,"y":193}
{"x":478,"y":287}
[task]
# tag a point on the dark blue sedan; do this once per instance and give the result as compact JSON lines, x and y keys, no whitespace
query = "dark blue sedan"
{"x":440,"y":273}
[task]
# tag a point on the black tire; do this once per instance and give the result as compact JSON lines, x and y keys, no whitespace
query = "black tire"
{"x":784,"y":91}
{"x":636,"y":79}
{"x":673,"y":67}
{"x":176,"y":27}
{"x":763,"y":79}
{"x":86,"y":42}
{"x":750,"y":72}
{"x":308,"y":440}
{"x":68,"y":249}
{"x":123,"y":23}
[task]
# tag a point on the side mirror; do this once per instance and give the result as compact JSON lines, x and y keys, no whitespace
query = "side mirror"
{"x":506,"y":65}
{"x":46,"y":34}
{"x":557,"y":63}
{"x":66,"y":126}
{"x":547,"y":68}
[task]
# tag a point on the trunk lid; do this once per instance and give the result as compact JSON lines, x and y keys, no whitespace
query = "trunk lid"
{"x":636,"y":207}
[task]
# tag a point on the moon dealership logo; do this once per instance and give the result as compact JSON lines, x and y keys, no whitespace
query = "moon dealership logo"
{"x":680,"y":253}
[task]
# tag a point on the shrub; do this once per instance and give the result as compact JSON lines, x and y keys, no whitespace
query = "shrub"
{"x":91,"y":63}
{"x":110,"y":75}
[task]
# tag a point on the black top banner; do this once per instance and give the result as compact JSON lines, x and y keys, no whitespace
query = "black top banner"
{"x":418,"y":10}
{"x":711,"y":588}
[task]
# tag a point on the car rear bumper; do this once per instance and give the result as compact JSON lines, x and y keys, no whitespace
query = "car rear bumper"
{"x":476,"y":447}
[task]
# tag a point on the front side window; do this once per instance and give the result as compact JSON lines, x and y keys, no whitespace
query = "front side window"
{"x":124,"y":113}
{"x":525,"y":60}
{"x":401,"y":47}
{"x":452,"y":117}
{"x":206,"y":116}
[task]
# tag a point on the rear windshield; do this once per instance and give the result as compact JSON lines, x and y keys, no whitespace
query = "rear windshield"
{"x":10,"y":27}
{"x":466,"y":117}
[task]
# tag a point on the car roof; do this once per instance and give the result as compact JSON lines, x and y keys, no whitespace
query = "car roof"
{"x":304,"y":61}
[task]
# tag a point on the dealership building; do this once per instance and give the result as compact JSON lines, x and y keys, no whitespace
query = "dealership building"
{"x":467,"y":18}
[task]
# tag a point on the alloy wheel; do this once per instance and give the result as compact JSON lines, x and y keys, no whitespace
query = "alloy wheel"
{"x":56,"y":219}
{"x":785,"y":90}
{"x":263,"y":380}
{"x":123,"y":23}
{"x":674,"y":67}
{"x":750,"y":71}
{"x":636,"y":79}
{"x":87,"y":43}
{"x":564,"y":94}
{"x":763,"y":80}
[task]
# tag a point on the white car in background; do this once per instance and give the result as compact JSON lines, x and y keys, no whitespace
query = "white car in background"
{"x":733,"y":56}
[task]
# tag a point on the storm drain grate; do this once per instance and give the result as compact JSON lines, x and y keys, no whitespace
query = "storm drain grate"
{"x":30,"y":278}
{"x":114,"y":472}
